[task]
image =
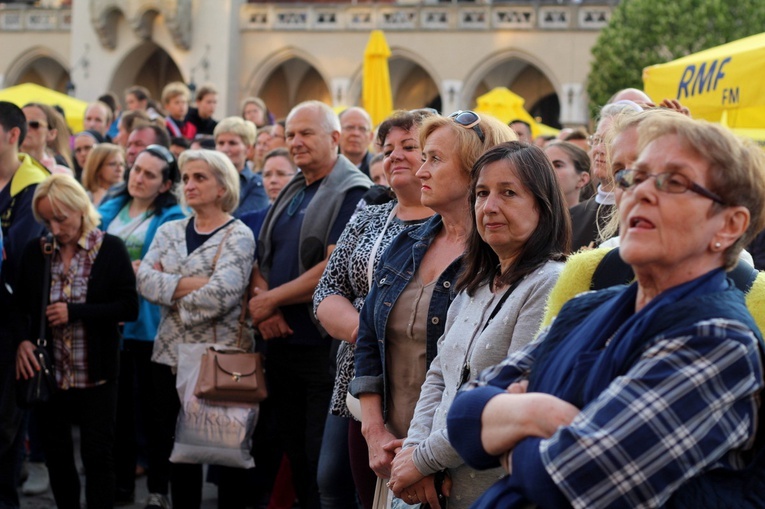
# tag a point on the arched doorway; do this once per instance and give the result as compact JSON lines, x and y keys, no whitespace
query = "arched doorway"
{"x":148,"y":65}
{"x":526,"y":80}
{"x":412,"y":85}
{"x":292,"y":82}
{"x":40,"y":68}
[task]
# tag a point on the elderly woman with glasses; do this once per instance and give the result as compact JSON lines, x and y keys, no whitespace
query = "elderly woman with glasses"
{"x":134,"y":215}
{"x":197,"y":270}
{"x":405,"y":311}
{"x":92,"y":290}
{"x":635,"y":393}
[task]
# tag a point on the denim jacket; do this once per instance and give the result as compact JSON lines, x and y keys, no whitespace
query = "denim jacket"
{"x":397,"y":266}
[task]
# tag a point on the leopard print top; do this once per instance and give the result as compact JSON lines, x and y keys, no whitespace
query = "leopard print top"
{"x":346,"y":275}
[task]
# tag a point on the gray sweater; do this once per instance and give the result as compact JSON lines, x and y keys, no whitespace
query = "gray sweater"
{"x":511,"y":329}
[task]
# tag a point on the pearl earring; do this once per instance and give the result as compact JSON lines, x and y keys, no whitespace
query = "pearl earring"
{"x":717,"y":245}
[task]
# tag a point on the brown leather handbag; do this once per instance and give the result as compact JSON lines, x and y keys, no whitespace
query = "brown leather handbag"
{"x":231,"y":377}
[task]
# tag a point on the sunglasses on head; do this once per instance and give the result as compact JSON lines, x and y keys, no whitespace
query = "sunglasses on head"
{"x":164,"y":154}
{"x":161,"y":152}
{"x":469,"y":120}
{"x":36,"y":124}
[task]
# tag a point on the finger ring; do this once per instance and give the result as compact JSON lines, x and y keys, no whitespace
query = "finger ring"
{"x":411,"y":497}
{"x":387,"y":484}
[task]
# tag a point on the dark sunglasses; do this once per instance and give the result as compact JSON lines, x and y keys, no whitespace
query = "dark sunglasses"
{"x":36,"y":124}
{"x":469,"y":120}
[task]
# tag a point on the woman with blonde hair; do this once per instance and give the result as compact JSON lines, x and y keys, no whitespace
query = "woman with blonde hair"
{"x":404,"y":313}
{"x":104,"y":168}
{"x":197,"y":269}
{"x":92,"y":290}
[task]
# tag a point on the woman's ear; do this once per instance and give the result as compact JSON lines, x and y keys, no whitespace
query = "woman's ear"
{"x":735,"y":224}
{"x":584,"y":179}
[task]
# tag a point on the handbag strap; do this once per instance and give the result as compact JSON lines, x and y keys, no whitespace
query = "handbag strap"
{"x":214,"y":264}
{"x":46,"y":243}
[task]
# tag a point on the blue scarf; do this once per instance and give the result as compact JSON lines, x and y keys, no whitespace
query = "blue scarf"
{"x":604,"y":345}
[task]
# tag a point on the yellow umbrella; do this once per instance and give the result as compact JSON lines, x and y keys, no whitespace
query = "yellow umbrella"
{"x":727,"y":79}
{"x":376,"y":94}
{"x":505,"y":105}
{"x":29,"y":92}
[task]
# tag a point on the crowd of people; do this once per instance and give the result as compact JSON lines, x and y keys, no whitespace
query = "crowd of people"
{"x":421,"y":292}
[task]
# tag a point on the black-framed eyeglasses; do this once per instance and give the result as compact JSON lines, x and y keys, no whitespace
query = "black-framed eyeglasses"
{"x":469,"y":120}
{"x":36,"y":124}
{"x":668,"y":182}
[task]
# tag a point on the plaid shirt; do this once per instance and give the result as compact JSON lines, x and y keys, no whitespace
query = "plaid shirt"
{"x":71,"y":286}
{"x":687,"y":405}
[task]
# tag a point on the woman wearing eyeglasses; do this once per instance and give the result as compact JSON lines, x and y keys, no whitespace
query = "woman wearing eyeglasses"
{"x":200,"y":298}
{"x":590,"y":217}
{"x":638,"y":394}
{"x":134,"y":215}
{"x":104,"y":168}
{"x":405,"y":311}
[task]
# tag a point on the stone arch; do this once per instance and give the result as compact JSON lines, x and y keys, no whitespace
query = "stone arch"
{"x":148,"y":65}
{"x":42,"y":66}
{"x":286,"y":79}
{"x":413,"y":82}
{"x":522,"y":73}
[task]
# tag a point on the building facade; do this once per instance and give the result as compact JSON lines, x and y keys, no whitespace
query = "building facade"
{"x":444,"y":53}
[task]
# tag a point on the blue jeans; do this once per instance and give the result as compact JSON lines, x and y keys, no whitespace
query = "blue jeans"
{"x":336,"y":487}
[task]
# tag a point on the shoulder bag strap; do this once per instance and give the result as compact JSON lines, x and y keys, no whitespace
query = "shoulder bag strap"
{"x":46,"y":244}
{"x":214,"y":264}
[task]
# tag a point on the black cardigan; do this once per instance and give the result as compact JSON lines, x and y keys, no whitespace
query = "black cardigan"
{"x":111,"y":298}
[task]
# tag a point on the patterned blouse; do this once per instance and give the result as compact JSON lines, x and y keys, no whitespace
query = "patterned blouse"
{"x":346,"y":276}
{"x":191,"y":318}
{"x":71,"y":286}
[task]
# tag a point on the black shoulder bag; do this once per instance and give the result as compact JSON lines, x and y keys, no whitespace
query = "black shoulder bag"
{"x":42,"y":385}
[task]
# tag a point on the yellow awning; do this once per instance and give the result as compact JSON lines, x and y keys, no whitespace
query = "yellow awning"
{"x":725,"y":79}
{"x":29,"y":92}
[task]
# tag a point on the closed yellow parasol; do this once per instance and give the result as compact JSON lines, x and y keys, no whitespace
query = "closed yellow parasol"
{"x":376,"y":95}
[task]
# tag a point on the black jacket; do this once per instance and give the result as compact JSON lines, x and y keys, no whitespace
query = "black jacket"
{"x":111,"y":298}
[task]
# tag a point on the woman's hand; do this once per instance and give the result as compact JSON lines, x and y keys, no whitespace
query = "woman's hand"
{"x":26,"y":363}
{"x":424,"y":491}
{"x":57,"y":314}
{"x":136,"y":265}
{"x":274,"y":326}
{"x":403,"y":472}
{"x":382,"y":447}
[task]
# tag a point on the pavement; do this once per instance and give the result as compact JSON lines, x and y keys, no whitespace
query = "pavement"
{"x":45,"y":501}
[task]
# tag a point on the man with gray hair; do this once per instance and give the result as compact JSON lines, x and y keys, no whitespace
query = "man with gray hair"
{"x":297,"y":237}
{"x":355,"y":136}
